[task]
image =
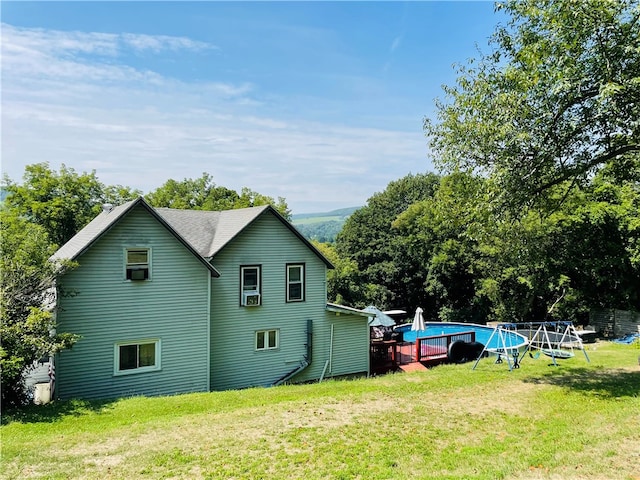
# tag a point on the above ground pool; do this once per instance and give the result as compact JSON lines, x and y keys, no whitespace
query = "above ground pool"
{"x":501,"y":339}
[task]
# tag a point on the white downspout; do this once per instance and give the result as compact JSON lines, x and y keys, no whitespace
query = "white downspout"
{"x":324,"y":370}
{"x":331,"y":350}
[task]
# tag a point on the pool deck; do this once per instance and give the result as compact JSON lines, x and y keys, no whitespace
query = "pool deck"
{"x":389,"y":356}
{"x":419,"y":349}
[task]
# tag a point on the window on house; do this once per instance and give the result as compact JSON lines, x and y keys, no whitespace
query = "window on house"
{"x":250,"y":286}
{"x":137,"y":357}
{"x":266,"y":339}
{"x":295,"y":283}
{"x":137,"y":263}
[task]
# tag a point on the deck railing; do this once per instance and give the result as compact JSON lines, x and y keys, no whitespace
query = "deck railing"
{"x":384,"y":355}
{"x":435,"y":347}
{"x":389,"y":355}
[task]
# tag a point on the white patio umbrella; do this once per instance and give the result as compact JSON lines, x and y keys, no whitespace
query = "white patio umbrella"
{"x":418,"y":321}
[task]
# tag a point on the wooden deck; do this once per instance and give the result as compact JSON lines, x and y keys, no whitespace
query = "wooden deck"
{"x":390,"y":355}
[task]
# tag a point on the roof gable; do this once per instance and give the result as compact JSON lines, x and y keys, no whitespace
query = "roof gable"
{"x":107,"y":219}
{"x":205,"y":233}
{"x":210,"y":231}
{"x":91,"y":232}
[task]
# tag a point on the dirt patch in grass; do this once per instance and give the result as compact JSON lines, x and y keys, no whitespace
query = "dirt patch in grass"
{"x":104,"y":460}
{"x":446,"y":420}
{"x":247,"y":426}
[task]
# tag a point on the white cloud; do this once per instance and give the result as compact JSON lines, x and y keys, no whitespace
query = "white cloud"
{"x":139,"y":128}
{"x":95,"y":43}
{"x":57,"y":42}
{"x":158,"y":43}
{"x":396,"y":43}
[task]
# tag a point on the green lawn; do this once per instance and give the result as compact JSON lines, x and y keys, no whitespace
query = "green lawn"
{"x":576,"y":421}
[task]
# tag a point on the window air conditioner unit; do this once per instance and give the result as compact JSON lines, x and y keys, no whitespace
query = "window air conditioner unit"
{"x":251,"y":299}
{"x":137,"y":273}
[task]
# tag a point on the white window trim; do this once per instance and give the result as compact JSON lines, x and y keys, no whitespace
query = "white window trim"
{"x":133,"y":371}
{"x":250,"y":290}
{"x":302,"y":282}
{"x":149,"y":261}
{"x":266,"y":337}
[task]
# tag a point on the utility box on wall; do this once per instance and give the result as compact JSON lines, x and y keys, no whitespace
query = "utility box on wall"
{"x":42,"y":393}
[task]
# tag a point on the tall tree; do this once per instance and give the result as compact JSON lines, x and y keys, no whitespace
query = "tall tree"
{"x":61,"y":202}
{"x":441,"y":237}
{"x":557,"y":99}
{"x":369,"y":239}
{"x":27,"y":298}
{"x":596,"y":242}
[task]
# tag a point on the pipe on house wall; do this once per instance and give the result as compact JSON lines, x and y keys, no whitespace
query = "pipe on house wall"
{"x":331,"y":350}
{"x":305,"y":362}
{"x":309,"y":343}
{"x":324,"y":370}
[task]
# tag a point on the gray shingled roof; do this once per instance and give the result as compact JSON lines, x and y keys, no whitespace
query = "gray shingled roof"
{"x":92,"y":231}
{"x":204,"y":232}
{"x":209,"y":231}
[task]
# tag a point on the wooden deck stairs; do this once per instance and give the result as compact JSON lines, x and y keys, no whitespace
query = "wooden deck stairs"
{"x":413,"y":367}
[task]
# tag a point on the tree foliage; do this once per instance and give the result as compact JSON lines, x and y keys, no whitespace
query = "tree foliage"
{"x":61,"y":202}
{"x":561,"y":265}
{"x":345,"y":285}
{"x":449,"y":254}
{"x":369,"y":239}
{"x":28,"y":295}
{"x":203,"y":194}
{"x":442,"y":239}
{"x":556,"y":100}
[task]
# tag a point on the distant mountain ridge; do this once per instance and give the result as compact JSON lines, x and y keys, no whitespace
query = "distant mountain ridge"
{"x":322,"y":226}
{"x":339,"y":213}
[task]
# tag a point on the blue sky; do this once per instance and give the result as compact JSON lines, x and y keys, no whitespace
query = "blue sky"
{"x":321,"y":103}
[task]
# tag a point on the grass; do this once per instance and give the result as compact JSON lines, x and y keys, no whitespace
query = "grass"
{"x":576,"y":421}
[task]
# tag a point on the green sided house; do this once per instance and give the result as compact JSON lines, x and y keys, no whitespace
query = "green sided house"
{"x":172,"y":301}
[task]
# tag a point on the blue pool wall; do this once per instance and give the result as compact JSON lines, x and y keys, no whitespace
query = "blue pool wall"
{"x":483,"y":333}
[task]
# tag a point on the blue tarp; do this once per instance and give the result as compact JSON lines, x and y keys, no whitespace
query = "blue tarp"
{"x":628,"y":339}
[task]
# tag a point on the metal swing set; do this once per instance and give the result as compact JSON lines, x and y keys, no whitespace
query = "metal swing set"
{"x":555,"y":344}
